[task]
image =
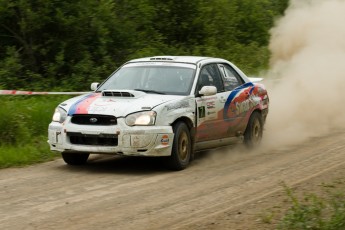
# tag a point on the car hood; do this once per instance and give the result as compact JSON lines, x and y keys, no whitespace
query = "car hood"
{"x":118,"y":103}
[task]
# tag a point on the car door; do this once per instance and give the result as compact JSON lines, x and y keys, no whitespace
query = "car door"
{"x":210,"y":108}
{"x":238,"y":103}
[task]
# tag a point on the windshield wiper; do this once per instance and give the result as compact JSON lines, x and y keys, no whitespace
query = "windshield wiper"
{"x":149,"y":91}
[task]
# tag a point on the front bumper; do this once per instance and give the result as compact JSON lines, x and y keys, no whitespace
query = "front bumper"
{"x":114,"y":139}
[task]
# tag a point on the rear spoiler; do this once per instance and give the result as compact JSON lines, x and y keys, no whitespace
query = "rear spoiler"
{"x":255,"y":79}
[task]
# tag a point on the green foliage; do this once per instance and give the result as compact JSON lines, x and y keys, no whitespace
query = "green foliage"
{"x":315,"y":213}
{"x":10,"y":68}
{"x":67,"y":45}
{"x":25,"y":154}
{"x":24,"y":124}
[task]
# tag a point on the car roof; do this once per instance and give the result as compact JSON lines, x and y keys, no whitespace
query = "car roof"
{"x":180,"y":59}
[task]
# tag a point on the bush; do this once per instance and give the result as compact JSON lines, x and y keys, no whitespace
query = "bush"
{"x":24,"y":128}
{"x":314,"y":212}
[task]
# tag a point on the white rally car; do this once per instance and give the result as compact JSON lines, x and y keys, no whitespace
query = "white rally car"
{"x":164,"y":106}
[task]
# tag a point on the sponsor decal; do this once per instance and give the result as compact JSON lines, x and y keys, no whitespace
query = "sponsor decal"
{"x":207,"y":99}
{"x":211,"y":105}
{"x":97,"y":109}
{"x":242,"y":107}
{"x":179,"y":105}
{"x":100,"y":106}
{"x":232,"y":96}
{"x":165,"y":140}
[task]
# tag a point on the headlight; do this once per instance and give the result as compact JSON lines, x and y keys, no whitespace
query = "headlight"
{"x":141,"y":118}
{"x":60,"y":115}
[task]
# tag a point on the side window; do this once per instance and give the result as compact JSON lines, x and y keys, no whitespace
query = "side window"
{"x":231,"y":78}
{"x":210,"y":76}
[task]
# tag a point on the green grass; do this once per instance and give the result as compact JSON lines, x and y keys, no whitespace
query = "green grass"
{"x":25,"y":155}
{"x":315,"y":212}
{"x":24,"y":126}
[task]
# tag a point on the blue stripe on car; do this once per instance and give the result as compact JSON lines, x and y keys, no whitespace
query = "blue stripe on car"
{"x":231,"y":98}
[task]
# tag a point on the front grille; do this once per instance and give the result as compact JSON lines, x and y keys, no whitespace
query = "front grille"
{"x":93,"y":119}
{"x":90,"y":139}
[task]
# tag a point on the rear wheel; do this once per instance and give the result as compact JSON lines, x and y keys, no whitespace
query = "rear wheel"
{"x":75,"y":158}
{"x":182,"y":147}
{"x":253,"y":133}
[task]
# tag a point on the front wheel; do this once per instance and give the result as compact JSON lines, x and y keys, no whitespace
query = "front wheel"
{"x":75,"y":158}
{"x":182,"y":147}
{"x":254,"y":130}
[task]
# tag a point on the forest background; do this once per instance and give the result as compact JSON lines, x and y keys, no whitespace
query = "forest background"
{"x":66,"y":45}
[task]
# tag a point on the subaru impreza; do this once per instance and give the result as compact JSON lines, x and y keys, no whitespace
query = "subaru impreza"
{"x":163,"y":106}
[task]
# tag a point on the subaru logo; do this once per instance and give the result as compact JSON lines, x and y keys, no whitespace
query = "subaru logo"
{"x":93,"y":120}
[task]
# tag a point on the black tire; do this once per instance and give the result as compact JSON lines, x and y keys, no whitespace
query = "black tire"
{"x":182,"y":147}
{"x":75,"y":158}
{"x":254,"y":130}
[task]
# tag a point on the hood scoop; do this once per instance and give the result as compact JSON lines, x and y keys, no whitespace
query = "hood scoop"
{"x":110,"y":93}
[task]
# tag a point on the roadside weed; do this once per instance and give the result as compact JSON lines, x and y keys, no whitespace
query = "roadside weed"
{"x":314,"y":212}
{"x":24,"y":123}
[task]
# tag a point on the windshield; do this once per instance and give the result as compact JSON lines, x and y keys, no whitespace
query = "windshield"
{"x":162,"y":78}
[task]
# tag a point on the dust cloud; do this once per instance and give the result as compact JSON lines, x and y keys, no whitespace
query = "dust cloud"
{"x":306,"y":80}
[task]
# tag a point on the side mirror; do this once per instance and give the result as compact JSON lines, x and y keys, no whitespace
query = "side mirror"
{"x":208,"y":91}
{"x":94,"y":86}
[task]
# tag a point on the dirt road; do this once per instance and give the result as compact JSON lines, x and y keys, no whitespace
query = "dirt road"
{"x":222,"y":189}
